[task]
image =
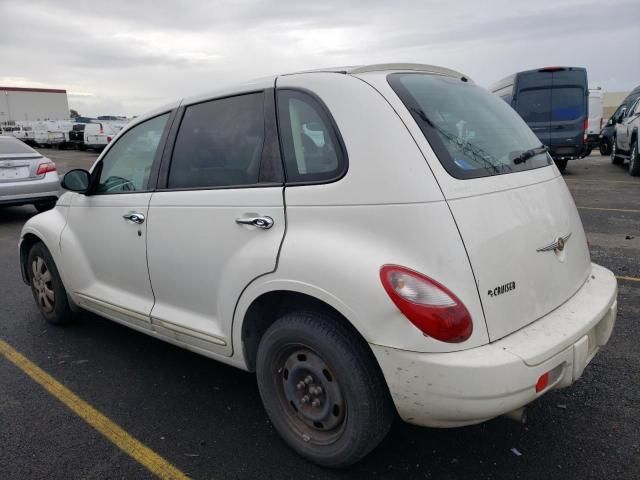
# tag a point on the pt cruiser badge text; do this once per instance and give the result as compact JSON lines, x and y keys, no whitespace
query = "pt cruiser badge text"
{"x":499,"y":290}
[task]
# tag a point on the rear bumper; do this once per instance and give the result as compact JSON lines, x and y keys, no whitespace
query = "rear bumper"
{"x":593,"y":140}
{"x":471,"y":386}
{"x":30,"y":191}
{"x":567,"y":152}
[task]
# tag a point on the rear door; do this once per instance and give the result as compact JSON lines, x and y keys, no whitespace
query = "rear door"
{"x":218,"y":222}
{"x":533,"y":102}
{"x":569,"y":100}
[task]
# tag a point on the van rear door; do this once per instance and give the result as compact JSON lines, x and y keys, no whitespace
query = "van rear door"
{"x":569,"y":100}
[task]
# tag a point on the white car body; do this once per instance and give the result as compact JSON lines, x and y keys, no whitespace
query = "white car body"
{"x":98,"y":135}
{"x":194,"y":280}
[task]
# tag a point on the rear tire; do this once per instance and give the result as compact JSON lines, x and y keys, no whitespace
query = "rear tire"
{"x":322,"y":389}
{"x":46,"y":286}
{"x":561,"y":164}
{"x":44,"y":206}
{"x":634,"y":160}
{"x":615,"y":159}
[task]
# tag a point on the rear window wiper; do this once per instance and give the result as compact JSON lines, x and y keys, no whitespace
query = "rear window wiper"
{"x":532,"y":152}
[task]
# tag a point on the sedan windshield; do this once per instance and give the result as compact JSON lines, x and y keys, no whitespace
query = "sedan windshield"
{"x":473,"y":132}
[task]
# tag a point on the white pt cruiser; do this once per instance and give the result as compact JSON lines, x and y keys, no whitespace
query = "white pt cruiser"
{"x":368,"y":240}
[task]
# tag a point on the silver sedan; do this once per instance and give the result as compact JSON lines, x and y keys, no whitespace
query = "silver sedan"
{"x":26,"y":177}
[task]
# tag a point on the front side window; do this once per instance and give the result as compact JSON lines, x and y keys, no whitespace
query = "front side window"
{"x":311,"y":148}
{"x":472,"y":131}
{"x":219,"y":143}
{"x":127,"y":164}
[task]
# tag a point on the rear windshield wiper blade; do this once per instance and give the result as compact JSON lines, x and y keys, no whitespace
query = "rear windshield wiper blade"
{"x":532,"y":152}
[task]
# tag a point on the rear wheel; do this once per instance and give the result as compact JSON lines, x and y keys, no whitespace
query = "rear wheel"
{"x":44,"y":206}
{"x":634,"y":160}
{"x":322,"y":389}
{"x":46,"y":286}
{"x":561,"y":164}
{"x":615,"y":159}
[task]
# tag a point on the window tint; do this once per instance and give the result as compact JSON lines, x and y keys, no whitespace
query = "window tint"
{"x":568,"y":103}
{"x":126,"y":166}
{"x":534,"y":105}
{"x":311,"y":148}
{"x":219,"y":143}
{"x":472,"y":131}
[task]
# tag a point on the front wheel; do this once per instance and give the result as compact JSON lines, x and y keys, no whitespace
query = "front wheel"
{"x":46,"y":286}
{"x":605,"y":147}
{"x":322,"y":389}
{"x":615,"y":159}
{"x":561,"y":164}
{"x":634,"y":160}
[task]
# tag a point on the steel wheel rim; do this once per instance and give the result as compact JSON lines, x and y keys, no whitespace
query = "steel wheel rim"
{"x":310,"y":395}
{"x":42,"y":285}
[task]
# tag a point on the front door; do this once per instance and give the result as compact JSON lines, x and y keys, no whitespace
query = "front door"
{"x":219,"y":221}
{"x":104,"y":243}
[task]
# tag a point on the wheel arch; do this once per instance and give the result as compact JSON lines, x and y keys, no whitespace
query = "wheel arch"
{"x":267,"y":306}
{"x":29,"y":239}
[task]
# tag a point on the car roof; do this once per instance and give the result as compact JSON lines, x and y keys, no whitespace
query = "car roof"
{"x":270,"y":81}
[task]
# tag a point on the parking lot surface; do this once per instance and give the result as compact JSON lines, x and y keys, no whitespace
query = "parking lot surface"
{"x":206,"y":419}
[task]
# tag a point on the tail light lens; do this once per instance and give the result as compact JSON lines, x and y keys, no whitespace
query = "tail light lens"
{"x":586,"y":129}
{"x":429,"y":305}
{"x":109,"y":139}
{"x":45,"y":168}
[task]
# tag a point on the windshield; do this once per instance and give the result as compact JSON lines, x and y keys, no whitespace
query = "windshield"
{"x":473,"y":132}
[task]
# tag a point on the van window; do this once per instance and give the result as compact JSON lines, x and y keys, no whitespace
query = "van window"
{"x":126,"y":166}
{"x":567,"y":103}
{"x":219,"y":143}
{"x":534,"y":105}
{"x":473,"y":132}
{"x":311,"y":148}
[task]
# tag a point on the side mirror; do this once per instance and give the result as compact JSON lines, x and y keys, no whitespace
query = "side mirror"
{"x":77,"y":180}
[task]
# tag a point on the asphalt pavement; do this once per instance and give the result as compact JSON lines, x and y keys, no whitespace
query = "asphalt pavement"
{"x":206,"y":418}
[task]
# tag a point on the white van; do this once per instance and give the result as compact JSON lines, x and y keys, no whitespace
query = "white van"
{"x":371,"y":241}
{"x":596,"y":120}
{"x":98,"y":135}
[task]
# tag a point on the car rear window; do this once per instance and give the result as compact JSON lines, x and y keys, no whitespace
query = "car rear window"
{"x":535,"y":105}
{"x":473,"y":132}
{"x":11,"y":146}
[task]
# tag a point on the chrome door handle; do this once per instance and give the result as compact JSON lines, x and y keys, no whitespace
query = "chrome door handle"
{"x":260,"y":222}
{"x":134,"y":217}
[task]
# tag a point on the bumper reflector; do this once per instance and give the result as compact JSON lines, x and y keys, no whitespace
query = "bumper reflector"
{"x":542,"y":382}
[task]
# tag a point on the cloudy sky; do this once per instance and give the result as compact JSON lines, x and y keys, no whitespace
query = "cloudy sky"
{"x":127,"y":56}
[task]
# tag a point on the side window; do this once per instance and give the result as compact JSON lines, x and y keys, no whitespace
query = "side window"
{"x":219,"y":143}
{"x":126,"y":166}
{"x":311,"y":149}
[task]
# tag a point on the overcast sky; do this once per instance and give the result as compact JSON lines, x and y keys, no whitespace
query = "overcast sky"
{"x":127,"y":56}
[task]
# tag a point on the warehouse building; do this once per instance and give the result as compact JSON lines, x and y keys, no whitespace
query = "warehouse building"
{"x":20,"y":104}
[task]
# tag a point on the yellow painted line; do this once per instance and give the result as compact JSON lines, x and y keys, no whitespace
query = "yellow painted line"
{"x":128,"y":444}
{"x":626,"y":210}
{"x":629,"y":279}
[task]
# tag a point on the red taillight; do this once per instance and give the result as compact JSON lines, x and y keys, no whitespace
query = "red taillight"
{"x":586,"y":129}
{"x":45,"y":168}
{"x":430,"y":306}
{"x":101,"y":129}
{"x":601,"y":121}
{"x":109,"y":139}
{"x":542,"y":382}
